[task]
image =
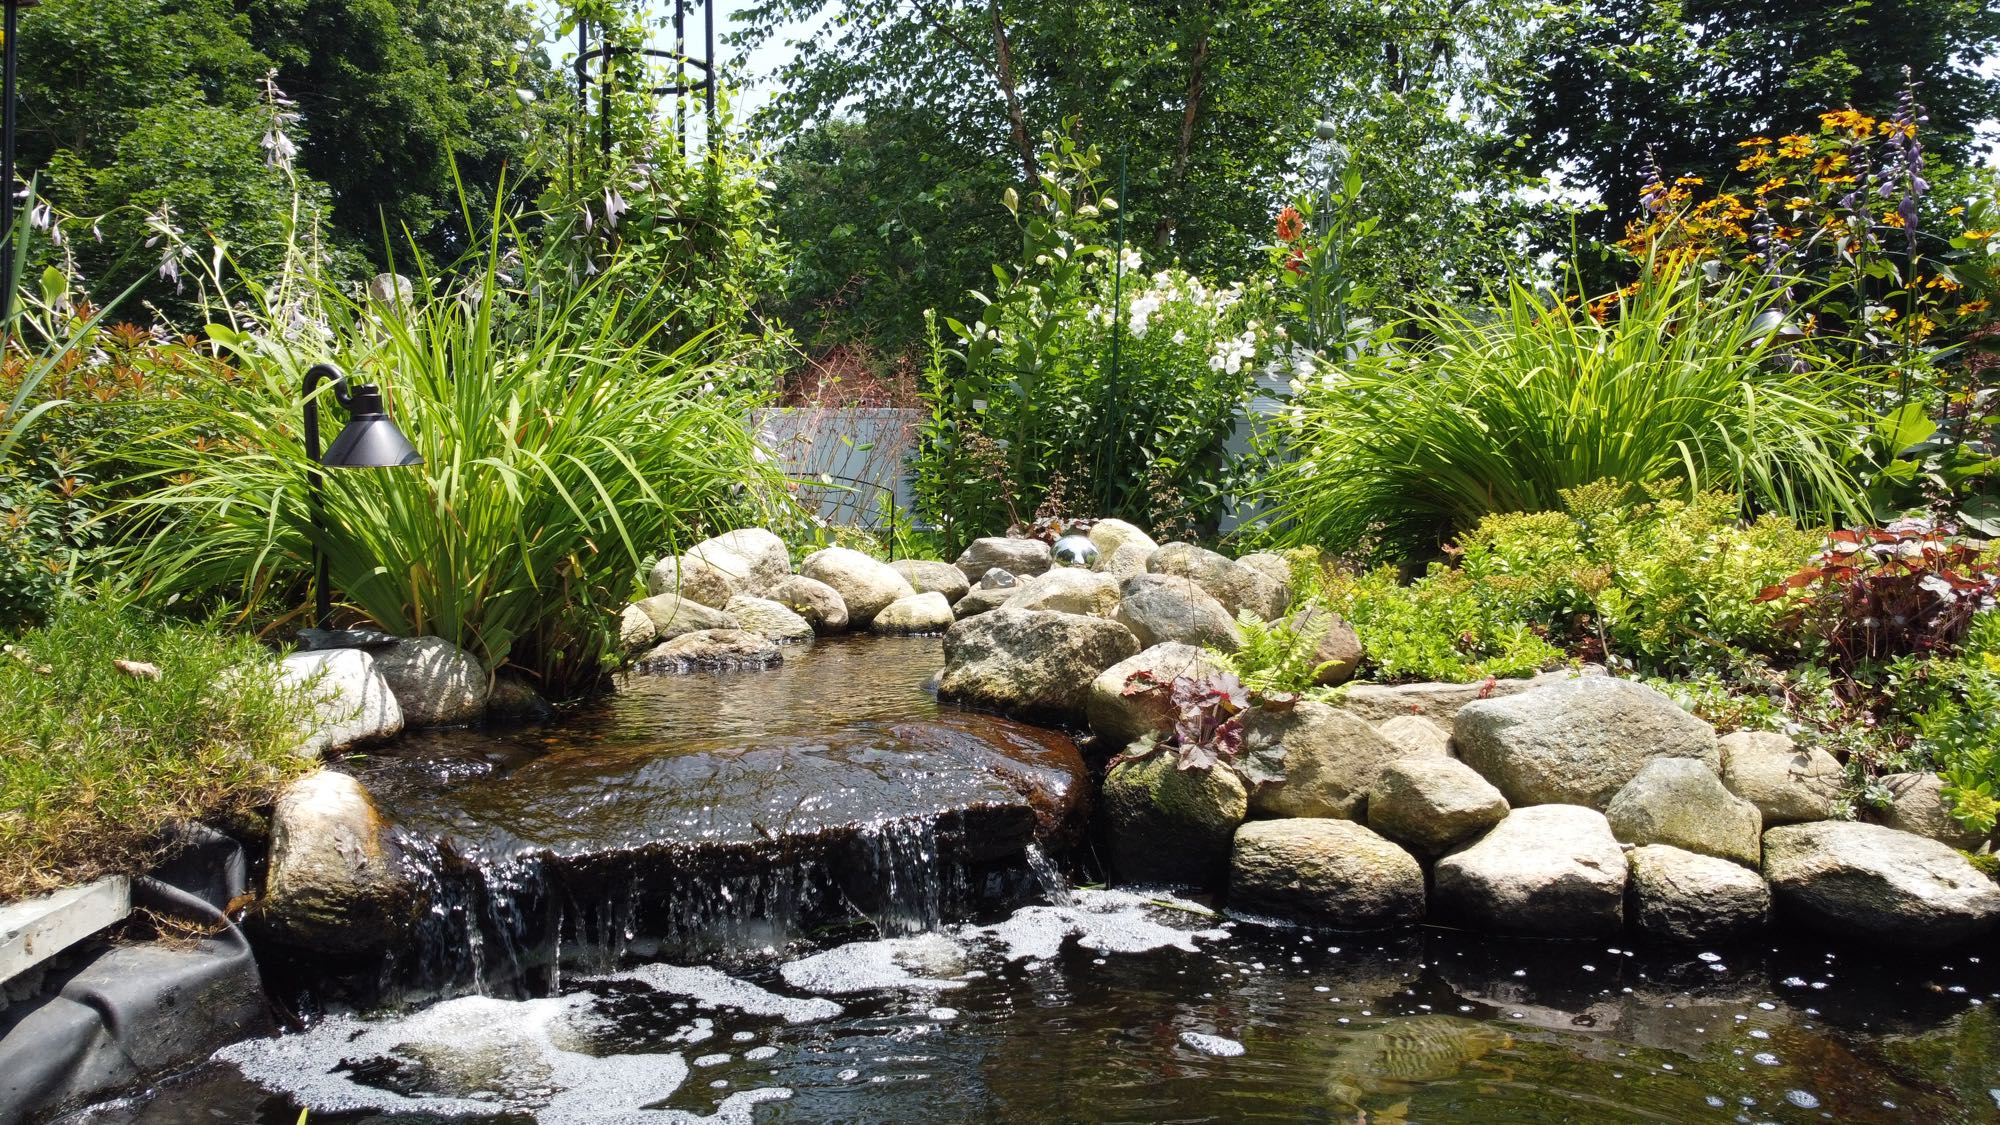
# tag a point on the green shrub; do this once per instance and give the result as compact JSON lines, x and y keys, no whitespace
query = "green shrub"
{"x":95,"y":762}
{"x":1503,"y":408}
{"x":1446,"y":625}
{"x":561,"y":450}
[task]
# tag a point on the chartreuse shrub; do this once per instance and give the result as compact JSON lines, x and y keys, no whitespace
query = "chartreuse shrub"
{"x":95,"y":761}
{"x":1462,"y":413}
{"x":562,"y":448}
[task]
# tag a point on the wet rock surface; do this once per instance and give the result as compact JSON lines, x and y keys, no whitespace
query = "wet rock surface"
{"x":1871,"y":883}
{"x":1034,"y":664}
{"x":1328,"y":872}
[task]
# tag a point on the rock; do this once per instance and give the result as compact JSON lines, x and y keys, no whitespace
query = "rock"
{"x":713,"y":648}
{"x":1273,"y":566}
{"x":769,"y":618}
{"x":435,"y":682}
{"x":1168,"y":825}
{"x":1016,"y":556}
{"x":1877,"y":885}
{"x":1691,"y":899}
{"x":1119,"y":717}
{"x":817,"y":602}
{"x":1682,"y":803}
{"x":1329,"y":872}
{"x":926,"y":575}
{"x":1917,"y":806}
{"x":1431,"y":803}
{"x":673,"y":615}
{"x":1030,"y":663}
{"x":1438,"y":702}
{"x":918,"y":613}
{"x":636,"y":629}
{"x":1546,"y":871}
{"x":1337,"y":654}
{"x":351,"y":702}
{"x":1160,"y":607}
{"x":998,"y":578}
{"x":1068,"y":590}
{"x":692,"y":578}
{"x":754,"y":558}
{"x":1125,"y":562}
{"x":1236,"y":586}
{"x":1576,"y":742}
{"x":335,"y":882}
{"x":981,"y":599}
{"x":1788,"y":785}
{"x":865,"y":586}
{"x":1416,"y":736}
{"x":1111,"y":536}
{"x":1330,"y":759}
{"x":515,"y":700}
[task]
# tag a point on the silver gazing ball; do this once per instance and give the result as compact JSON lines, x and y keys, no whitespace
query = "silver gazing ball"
{"x":1075,"y":550}
{"x":999,"y":578}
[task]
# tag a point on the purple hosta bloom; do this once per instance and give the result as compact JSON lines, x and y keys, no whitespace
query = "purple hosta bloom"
{"x":1909,"y":151}
{"x":589,"y":220}
{"x":1653,"y":189}
{"x":43,"y":217}
{"x":614,"y":206}
{"x":279,"y":151}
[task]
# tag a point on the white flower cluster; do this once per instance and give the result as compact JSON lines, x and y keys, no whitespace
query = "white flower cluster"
{"x":1231,"y":353}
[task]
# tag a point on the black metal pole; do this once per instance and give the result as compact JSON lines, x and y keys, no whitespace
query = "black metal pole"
{"x":708,"y":15}
{"x":7,"y":208}
{"x":316,"y":492}
{"x":680,"y":72}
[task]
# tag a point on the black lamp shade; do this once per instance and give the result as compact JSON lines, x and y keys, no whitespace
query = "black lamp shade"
{"x":371,"y":439}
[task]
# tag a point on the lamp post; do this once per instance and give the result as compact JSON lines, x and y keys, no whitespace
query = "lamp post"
{"x":370,"y":440}
{"x":7,"y":125}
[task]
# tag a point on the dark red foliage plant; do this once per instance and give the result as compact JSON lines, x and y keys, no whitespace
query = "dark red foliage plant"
{"x":1908,"y":589}
{"x":1207,"y":731}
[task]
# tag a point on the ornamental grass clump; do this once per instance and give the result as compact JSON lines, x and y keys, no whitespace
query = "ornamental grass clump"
{"x":561,"y":449}
{"x":1501,"y":409}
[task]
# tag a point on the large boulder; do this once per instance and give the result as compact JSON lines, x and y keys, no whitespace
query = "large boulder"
{"x":1162,"y":607}
{"x":711,"y":649}
{"x":1164,"y":824}
{"x":435,"y":682}
{"x":1119,"y":717}
{"x":1337,"y":652}
{"x":1112,"y":535}
{"x":1416,"y":736}
{"x":866,"y":586}
{"x":1682,"y":803}
{"x":769,"y":618}
{"x":1576,"y":742}
{"x":1917,"y":805}
{"x":820,"y":604}
{"x":755,"y":559}
{"x":1273,"y":566}
{"x":1876,"y":884}
{"x":673,"y":615}
{"x":1691,"y":899}
{"x":636,"y":629}
{"x":1127,"y":561}
{"x":1021,"y":557}
{"x":1327,"y":872}
{"x":1068,"y":590}
{"x":1546,"y":871}
{"x":1330,"y":759}
{"x":335,"y":883}
{"x":1431,"y":803}
{"x":350,"y":702}
{"x":930,"y":576}
{"x":1030,"y":663}
{"x":918,"y":613}
{"x":692,"y":578}
{"x":1788,"y":785}
{"x":1440,"y":703}
{"x":1236,"y":586}
{"x":981,"y":599}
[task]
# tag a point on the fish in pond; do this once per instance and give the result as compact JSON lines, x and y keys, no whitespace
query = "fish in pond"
{"x":1399,"y":1056}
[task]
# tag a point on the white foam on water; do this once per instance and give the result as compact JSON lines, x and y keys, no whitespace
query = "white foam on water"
{"x":1212,"y":1044}
{"x":759,"y":1054}
{"x":712,"y":1060}
{"x":872,"y":966}
{"x":1100,"y":920}
{"x":712,"y":988}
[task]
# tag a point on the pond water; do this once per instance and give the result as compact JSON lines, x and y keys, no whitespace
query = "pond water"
{"x":1101,"y":1005}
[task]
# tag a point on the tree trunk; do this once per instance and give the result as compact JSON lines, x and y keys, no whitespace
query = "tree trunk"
{"x":1163,"y":228}
{"x":1003,"y":55}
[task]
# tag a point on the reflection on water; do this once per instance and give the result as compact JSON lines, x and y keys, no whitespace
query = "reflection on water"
{"x":1098,"y":1014}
